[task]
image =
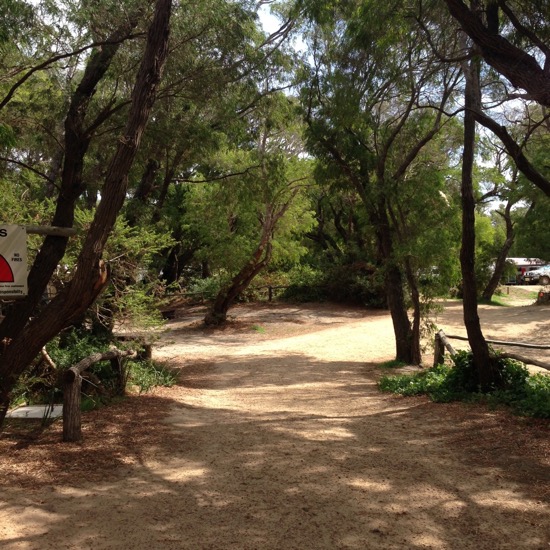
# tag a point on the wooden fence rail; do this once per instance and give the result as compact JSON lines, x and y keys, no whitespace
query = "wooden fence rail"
{"x":72,"y":385}
{"x":442,"y":343}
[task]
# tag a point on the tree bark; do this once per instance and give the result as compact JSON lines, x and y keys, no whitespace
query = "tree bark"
{"x":91,"y":275}
{"x":517,"y":65}
{"x":484,"y":363}
{"x":77,"y":141}
{"x":500,"y":263}
{"x":393,"y":279}
{"x":217,"y":314}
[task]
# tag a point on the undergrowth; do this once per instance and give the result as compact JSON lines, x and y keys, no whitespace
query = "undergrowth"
{"x":527,"y":395}
{"x":42,"y":382}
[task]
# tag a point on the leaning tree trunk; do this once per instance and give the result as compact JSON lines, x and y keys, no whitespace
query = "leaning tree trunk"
{"x":217,"y":314}
{"x":77,"y":141}
{"x":485,"y":364}
{"x":91,"y":274}
{"x":500,"y":264}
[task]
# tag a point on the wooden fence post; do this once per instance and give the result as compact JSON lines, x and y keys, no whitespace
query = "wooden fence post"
{"x":439,"y":350}
{"x":72,"y":385}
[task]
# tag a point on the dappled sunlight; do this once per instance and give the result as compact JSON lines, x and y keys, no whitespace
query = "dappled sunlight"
{"x":322,"y":433}
{"x":285,"y":449}
{"x":371,"y":485}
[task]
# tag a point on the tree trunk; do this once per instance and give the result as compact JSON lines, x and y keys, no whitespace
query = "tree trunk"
{"x":417,"y":313}
{"x":500,"y":263}
{"x":393,"y":279}
{"x":484,"y":363}
{"x":217,"y":315}
{"x":404,"y":344}
{"x":91,"y":275}
{"x":77,"y":140}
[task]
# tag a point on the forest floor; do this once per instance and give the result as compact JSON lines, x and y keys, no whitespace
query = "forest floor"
{"x":276,"y":438}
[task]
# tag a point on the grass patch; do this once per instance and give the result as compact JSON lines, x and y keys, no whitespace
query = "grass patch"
{"x":258,"y":328}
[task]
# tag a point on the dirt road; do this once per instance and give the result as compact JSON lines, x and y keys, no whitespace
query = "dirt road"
{"x":276,"y":438}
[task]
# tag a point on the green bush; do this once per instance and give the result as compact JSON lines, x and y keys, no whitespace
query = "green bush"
{"x":42,"y":384}
{"x":305,"y":284}
{"x":526,"y":395}
{"x":204,"y":289}
{"x":536,"y":400}
{"x":146,"y":375}
{"x":356,"y":284}
{"x":74,"y":345}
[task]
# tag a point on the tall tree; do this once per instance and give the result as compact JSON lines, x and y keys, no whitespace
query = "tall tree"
{"x":484,"y":362}
{"x":91,"y":274}
{"x":264,"y":209}
{"x":371,"y":111}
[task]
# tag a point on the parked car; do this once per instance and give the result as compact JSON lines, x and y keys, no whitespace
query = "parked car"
{"x":540,"y":275}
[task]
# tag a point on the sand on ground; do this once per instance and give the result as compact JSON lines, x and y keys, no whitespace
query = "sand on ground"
{"x":276,"y":438}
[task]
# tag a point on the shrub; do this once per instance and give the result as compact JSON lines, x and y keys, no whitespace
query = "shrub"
{"x":146,"y":375}
{"x":536,"y":401}
{"x":204,"y":289}
{"x":43,"y":384}
{"x":304,"y":285}
{"x":526,"y":395}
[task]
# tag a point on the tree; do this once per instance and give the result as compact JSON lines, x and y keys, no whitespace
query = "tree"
{"x":263,"y":210}
{"x":481,"y":26}
{"x":371,"y":112}
{"x":515,"y":56}
{"x":91,"y":274}
{"x":484,"y":362}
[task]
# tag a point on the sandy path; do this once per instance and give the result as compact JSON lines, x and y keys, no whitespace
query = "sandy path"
{"x":278,"y":439}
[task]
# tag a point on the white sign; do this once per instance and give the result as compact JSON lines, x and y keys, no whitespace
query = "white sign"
{"x":13,"y":261}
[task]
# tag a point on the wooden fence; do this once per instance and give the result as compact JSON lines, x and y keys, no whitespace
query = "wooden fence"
{"x":72,"y":385}
{"x":442,"y":343}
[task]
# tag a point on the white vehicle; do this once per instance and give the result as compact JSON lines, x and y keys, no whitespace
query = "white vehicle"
{"x":540,"y":275}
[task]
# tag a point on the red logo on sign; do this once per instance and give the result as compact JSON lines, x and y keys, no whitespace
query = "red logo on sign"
{"x":6,"y":274}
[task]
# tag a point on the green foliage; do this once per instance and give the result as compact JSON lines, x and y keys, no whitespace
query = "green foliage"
{"x":526,"y":395}
{"x":536,"y":400}
{"x":533,"y":229}
{"x":72,"y":346}
{"x":357,"y":284}
{"x":131,"y":252}
{"x":427,"y":382}
{"x":147,"y":374}
{"x":393,"y":364}
{"x":205,"y":288}
{"x":304,"y":285}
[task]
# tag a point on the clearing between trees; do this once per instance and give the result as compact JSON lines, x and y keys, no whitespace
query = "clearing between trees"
{"x":276,"y":437}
